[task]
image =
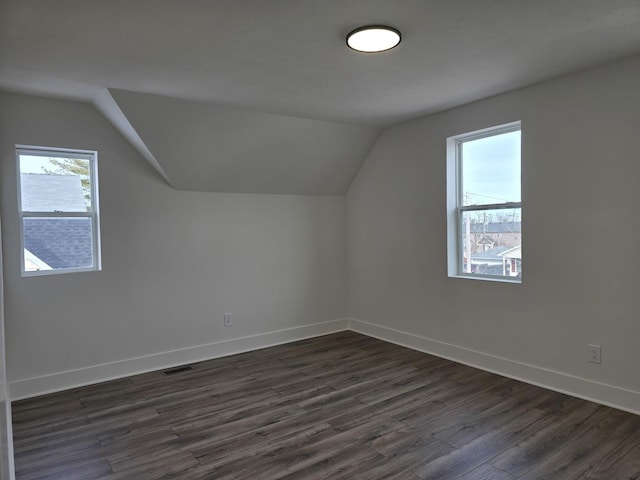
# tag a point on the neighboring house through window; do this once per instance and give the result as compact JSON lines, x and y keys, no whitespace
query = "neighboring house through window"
{"x":484,"y":205}
{"x":58,"y":203}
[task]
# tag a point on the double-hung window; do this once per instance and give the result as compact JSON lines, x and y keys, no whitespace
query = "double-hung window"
{"x":58,"y":207}
{"x":484,"y":204}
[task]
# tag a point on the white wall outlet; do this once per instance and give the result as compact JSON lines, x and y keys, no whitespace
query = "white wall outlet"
{"x":595,"y":354}
{"x":227,"y":319}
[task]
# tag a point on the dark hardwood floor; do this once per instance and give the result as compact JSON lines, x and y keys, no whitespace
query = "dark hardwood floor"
{"x":343,"y":406}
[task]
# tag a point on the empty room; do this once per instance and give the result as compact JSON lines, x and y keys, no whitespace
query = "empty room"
{"x":298,"y":239}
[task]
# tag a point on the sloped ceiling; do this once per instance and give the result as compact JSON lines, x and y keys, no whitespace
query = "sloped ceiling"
{"x":204,"y":147}
{"x":278,"y":66}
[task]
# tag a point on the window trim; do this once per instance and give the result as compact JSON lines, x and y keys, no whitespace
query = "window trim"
{"x":94,"y":214}
{"x":455,"y":207}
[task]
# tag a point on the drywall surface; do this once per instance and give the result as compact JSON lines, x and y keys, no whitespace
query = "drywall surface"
{"x":581,"y":231}
{"x":240,"y":151}
{"x":173,"y":263}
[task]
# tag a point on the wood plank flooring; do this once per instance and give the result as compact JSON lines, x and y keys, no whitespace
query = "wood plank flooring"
{"x":342,"y":406}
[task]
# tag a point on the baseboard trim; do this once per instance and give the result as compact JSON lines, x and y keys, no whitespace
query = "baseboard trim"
{"x":609,"y":395}
{"x":33,"y":387}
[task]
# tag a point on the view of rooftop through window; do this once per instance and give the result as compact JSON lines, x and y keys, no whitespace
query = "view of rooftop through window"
{"x":59,"y":218}
{"x":46,"y":167}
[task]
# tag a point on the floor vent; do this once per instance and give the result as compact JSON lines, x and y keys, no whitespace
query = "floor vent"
{"x":173,"y":371}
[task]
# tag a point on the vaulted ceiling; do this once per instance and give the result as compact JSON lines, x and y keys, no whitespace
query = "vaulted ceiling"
{"x":206,"y":147}
{"x":264,"y":96}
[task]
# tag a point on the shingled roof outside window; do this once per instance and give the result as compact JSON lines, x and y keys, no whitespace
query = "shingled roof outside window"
{"x":58,"y":212}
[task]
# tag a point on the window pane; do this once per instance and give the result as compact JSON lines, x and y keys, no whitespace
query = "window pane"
{"x":57,"y":243}
{"x":492,"y":242}
{"x":49,"y":184}
{"x":491,"y":169}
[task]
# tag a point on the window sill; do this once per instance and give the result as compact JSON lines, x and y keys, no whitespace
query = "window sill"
{"x":60,"y":271}
{"x":513,"y":280}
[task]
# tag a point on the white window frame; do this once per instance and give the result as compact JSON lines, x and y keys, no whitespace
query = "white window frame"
{"x":94,"y":215}
{"x":456,"y":207}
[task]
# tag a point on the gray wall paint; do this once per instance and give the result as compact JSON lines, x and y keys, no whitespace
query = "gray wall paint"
{"x":173,"y":261}
{"x":205,"y":147}
{"x":581,"y":231}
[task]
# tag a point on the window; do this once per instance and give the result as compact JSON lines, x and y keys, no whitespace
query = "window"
{"x":58,"y":204}
{"x":484,"y":204}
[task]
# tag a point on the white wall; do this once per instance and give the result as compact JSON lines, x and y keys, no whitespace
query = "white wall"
{"x":581,"y":232}
{"x":173,"y":263}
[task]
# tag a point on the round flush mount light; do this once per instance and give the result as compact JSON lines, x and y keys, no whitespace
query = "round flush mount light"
{"x":373,"y":38}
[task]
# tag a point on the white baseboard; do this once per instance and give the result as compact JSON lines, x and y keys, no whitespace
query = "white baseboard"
{"x":610,"y":395}
{"x":32,"y":387}
{"x":602,"y":393}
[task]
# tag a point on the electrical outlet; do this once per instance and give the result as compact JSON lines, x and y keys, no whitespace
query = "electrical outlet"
{"x":227,"y":319}
{"x":595,"y":354}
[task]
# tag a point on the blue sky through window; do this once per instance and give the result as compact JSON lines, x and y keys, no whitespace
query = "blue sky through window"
{"x":491,"y":169}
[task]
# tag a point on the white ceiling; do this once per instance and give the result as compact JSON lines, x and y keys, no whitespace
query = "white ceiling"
{"x":289,"y":58}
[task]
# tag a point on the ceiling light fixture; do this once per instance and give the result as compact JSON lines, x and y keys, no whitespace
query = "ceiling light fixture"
{"x":373,"y":38}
